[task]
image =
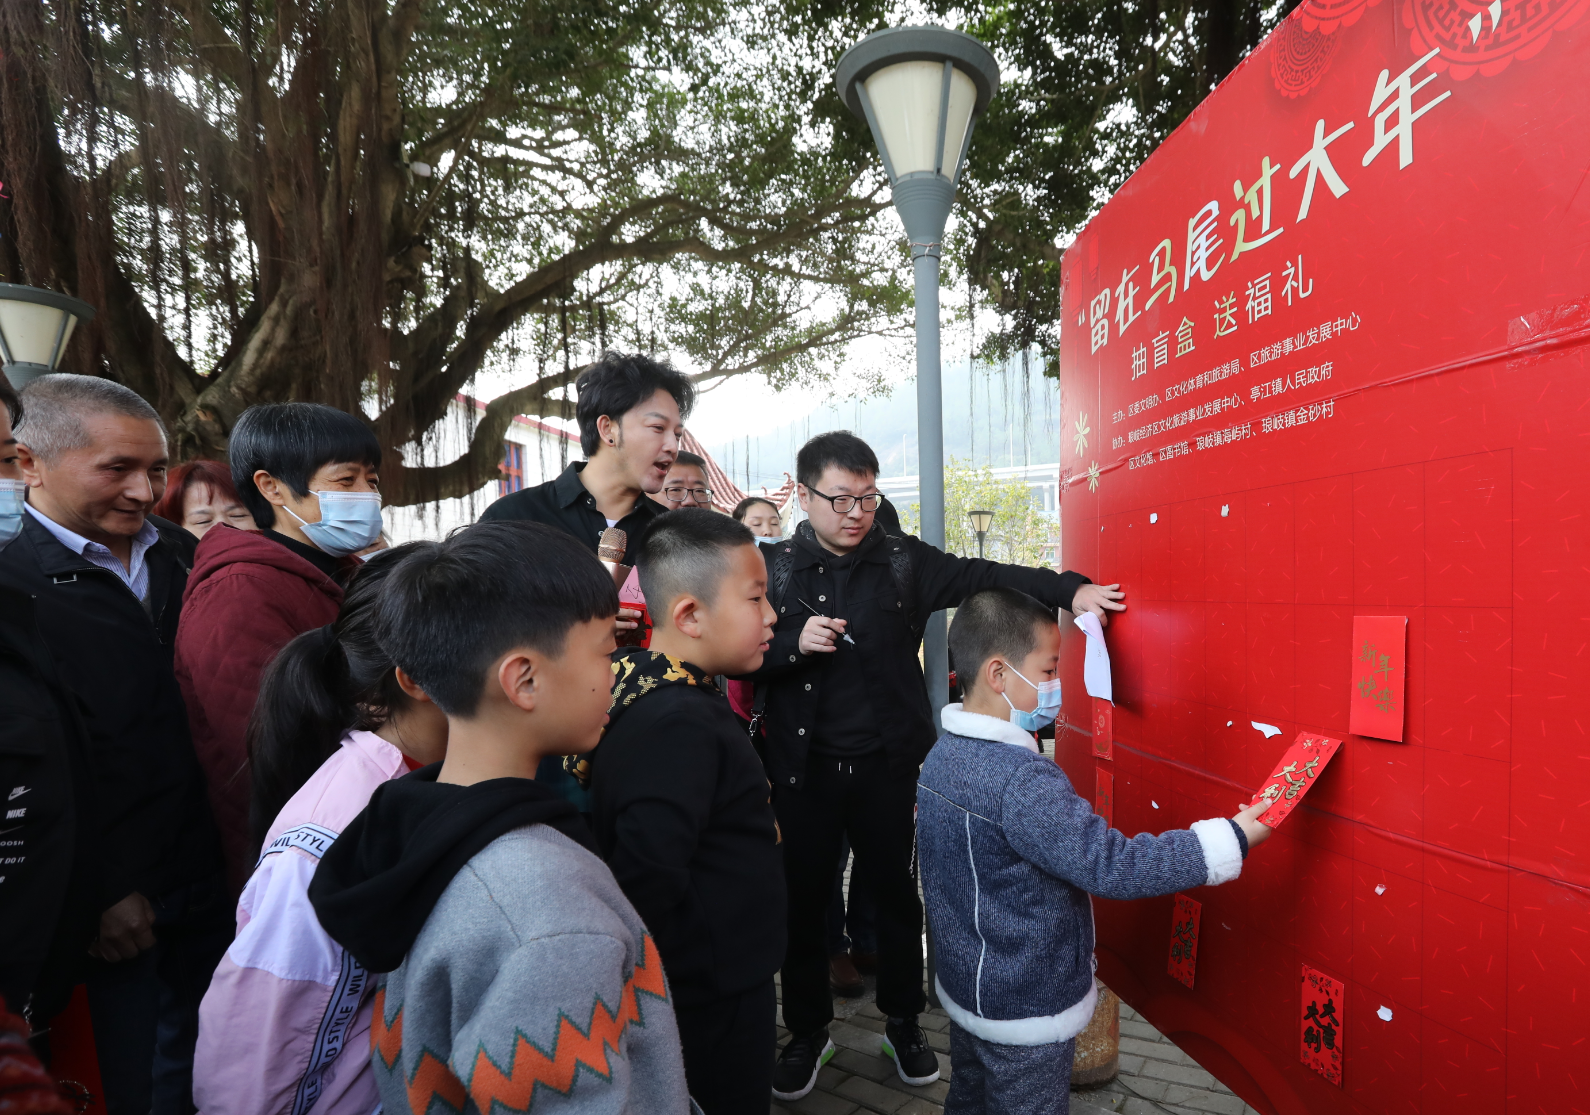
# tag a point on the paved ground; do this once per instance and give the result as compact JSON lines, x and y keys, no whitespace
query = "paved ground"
{"x":1156,"y":1077}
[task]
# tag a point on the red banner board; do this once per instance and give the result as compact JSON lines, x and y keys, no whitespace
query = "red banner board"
{"x":1324,"y":357}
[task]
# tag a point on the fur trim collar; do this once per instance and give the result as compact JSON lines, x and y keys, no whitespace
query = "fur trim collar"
{"x":974,"y":725}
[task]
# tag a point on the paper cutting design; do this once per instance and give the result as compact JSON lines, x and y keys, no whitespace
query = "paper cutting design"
{"x":1104,"y":795}
{"x":1296,"y":774}
{"x":1185,"y":916}
{"x":1379,"y":676}
{"x":1103,"y":729}
{"x":1322,"y":1012}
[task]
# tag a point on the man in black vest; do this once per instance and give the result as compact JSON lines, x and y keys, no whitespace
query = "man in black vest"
{"x":848,"y":725}
{"x":106,"y":579}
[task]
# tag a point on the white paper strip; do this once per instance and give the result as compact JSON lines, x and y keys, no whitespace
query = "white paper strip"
{"x":1096,"y":664}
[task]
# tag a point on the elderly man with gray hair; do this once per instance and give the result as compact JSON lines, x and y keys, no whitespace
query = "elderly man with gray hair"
{"x":107,"y":580}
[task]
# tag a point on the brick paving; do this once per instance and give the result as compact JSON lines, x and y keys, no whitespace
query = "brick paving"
{"x":1156,"y":1077}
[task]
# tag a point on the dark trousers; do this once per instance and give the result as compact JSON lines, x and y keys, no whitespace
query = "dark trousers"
{"x":729,"y":1047}
{"x":145,"y":1010}
{"x":875,"y":808}
{"x":990,"y":1079}
{"x":851,"y":924}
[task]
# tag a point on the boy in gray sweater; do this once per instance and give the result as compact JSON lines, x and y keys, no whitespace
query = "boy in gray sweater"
{"x":520,"y":978}
{"x":1009,"y":855}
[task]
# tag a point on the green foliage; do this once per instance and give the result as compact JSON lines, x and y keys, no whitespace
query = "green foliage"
{"x":1020,"y":533}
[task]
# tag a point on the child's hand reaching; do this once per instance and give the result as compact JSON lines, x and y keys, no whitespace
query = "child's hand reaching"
{"x":1248,"y":820}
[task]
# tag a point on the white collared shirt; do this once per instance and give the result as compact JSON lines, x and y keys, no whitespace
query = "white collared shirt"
{"x":135,"y":576}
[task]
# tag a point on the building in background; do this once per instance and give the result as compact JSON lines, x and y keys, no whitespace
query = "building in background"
{"x":533,"y":451}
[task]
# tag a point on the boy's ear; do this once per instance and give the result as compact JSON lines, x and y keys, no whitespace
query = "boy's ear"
{"x":516,"y":677}
{"x":993,"y":675}
{"x":685,"y":616}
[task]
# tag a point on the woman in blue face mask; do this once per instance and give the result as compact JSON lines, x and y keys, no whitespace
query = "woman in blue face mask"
{"x":309,"y":476}
{"x":13,"y":492}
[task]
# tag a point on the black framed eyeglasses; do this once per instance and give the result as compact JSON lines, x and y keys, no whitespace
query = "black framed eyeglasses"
{"x":844,"y":504}
{"x":677,"y":495}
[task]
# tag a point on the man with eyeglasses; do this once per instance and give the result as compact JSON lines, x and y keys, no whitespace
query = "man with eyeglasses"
{"x":686,"y":484}
{"x":848,"y":723}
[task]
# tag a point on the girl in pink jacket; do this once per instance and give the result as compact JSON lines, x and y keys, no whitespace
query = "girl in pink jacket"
{"x":285,"y":1026}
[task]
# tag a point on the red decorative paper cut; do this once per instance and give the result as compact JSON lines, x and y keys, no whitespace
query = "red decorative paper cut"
{"x":1472,"y":36}
{"x":1295,"y":775}
{"x":1184,"y":939}
{"x":1103,"y":728}
{"x":1104,"y":795}
{"x":1322,"y":1013}
{"x":1379,"y":670}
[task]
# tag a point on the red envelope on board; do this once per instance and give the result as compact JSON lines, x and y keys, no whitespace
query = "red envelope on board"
{"x":1185,"y":916}
{"x":1295,"y":775}
{"x":1322,"y":1013}
{"x":1103,"y":728}
{"x":1380,"y":652}
{"x":1104,"y":795}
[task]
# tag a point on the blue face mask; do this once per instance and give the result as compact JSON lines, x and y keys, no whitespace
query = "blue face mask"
{"x":349,"y":521}
{"x":13,"y":495}
{"x":1048,"y":705}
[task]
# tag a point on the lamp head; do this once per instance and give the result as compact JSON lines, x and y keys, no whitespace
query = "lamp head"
{"x":35,"y":325}
{"x":981,"y":520}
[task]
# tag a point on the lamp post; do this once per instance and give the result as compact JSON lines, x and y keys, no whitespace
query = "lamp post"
{"x":919,"y":89}
{"x":981,"y":521}
{"x":35,"y":325}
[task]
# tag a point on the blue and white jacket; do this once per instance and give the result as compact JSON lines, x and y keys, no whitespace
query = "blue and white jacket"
{"x":1009,"y":855}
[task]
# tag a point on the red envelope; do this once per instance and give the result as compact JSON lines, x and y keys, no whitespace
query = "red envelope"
{"x":1380,"y":651}
{"x":1295,"y":775}
{"x":1322,"y":1014}
{"x":1103,"y":728}
{"x":1184,"y":939}
{"x":1104,"y":795}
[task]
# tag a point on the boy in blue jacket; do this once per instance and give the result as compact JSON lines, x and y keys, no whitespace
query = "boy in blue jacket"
{"x":1009,"y":855}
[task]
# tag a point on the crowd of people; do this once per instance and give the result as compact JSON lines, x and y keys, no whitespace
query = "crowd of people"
{"x":304,"y":823}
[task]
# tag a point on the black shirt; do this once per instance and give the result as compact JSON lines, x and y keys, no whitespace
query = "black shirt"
{"x":330,"y":566}
{"x":846,"y":724}
{"x":565,"y":503}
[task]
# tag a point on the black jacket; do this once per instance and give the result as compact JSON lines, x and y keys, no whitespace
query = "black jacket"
{"x":680,"y":807}
{"x":881,"y":624}
{"x":565,"y":503}
{"x":49,"y":890}
{"x":156,"y":833}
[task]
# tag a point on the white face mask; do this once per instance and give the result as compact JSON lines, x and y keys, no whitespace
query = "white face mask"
{"x":349,"y":522}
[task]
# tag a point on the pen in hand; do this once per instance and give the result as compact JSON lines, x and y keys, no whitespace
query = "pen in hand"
{"x":815,"y":612}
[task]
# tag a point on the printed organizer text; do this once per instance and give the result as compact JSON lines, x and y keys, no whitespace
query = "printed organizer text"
{"x":1286,"y":420}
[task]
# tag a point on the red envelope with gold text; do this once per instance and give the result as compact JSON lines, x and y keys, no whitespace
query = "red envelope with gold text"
{"x":1295,"y":775}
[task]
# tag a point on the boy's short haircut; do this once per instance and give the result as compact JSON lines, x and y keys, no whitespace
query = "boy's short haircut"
{"x":995,"y":623}
{"x":451,"y":609}
{"x":617,"y":384}
{"x":684,"y":458}
{"x":742,"y":508}
{"x":839,"y":449}
{"x":291,"y":441}
{"x":687,"y":551}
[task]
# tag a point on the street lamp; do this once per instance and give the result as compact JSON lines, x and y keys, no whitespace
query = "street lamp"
{"x":981,"y":521}
{"x":919,"y":89}
{"x":35,"y":325}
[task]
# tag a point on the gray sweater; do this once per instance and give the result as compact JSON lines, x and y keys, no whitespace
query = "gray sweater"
{"x":533,"y":985}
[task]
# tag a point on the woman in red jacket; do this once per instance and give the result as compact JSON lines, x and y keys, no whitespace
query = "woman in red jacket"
{"x":308,"y":475}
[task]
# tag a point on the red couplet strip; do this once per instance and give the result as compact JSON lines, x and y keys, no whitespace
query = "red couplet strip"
{"x":1185,"y":916}
{"x":1103,"y":728}
{"x":1323,"y":1009}
{"x":1104,"y":795}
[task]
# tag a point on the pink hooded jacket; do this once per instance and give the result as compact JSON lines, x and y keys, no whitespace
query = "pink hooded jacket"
{"x":285,"y":1026}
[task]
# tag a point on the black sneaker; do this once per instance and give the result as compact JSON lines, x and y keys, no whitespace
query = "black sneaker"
{"x":798,"y":1063}
{"x":914,"y":1060}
